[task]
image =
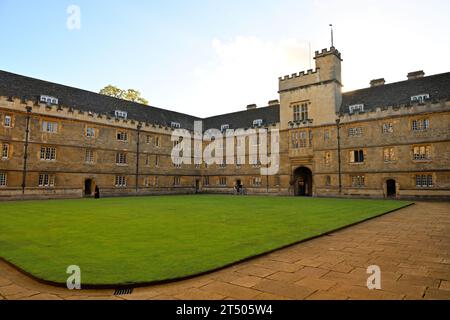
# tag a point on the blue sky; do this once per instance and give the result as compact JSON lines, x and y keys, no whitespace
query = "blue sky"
{"x":210,"y":57}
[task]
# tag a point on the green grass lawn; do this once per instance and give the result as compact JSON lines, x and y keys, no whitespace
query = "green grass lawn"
{"x":140,"y":240}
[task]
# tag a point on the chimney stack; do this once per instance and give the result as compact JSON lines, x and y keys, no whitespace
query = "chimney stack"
{"x":416,"y":75}
{"x":252,"y":106}
{"x":274,"y":102}
{"x":377,"y":82}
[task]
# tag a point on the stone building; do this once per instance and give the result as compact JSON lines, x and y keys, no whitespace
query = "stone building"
{"x":387,"y":140}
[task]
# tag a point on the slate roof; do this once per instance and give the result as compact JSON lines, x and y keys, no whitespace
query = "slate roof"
{"x":13,"y":85}
{"x":245,"y":118}
{"x":398,"y":93}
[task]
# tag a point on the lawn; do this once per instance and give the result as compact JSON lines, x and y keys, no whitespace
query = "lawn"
{"x":140,"y":240}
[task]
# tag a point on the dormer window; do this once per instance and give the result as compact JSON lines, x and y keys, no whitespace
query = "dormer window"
{"x":420,"y":98}
{"x":356,"y":108}
{"x":175,"y":125}
{"x":48,"y":100}
{"x":224,"y":127}
{"x":258,"y":122}
{"x":121,"y":114}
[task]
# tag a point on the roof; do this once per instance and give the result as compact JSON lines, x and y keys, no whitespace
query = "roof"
{"x":14,"y":85}
{"x":398,"y":93}
{"x":244,"y":119}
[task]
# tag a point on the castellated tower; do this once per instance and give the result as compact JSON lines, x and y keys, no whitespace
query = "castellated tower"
{"x":319,"y":90}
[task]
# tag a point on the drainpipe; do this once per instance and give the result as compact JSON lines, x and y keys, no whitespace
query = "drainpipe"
{"x":138,"y":143}
{"x":338,"y":122}
{"x":25,"y":154}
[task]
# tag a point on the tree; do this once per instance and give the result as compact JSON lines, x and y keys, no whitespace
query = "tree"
{"x":130,"y":94}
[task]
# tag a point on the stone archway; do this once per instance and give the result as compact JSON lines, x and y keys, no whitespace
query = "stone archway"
{"x":303,"y":182}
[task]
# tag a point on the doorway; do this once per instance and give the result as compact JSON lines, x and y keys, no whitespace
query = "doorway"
{"x":303,"y":182}
{"x":197,"y":186}
{"x":391,"y":188}
{"x":88,"y":187}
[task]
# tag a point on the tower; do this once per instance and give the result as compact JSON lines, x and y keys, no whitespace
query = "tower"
{"x":319,"y":90}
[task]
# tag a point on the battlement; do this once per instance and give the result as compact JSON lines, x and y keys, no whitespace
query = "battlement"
{"x":298,"y":75}
{"x":326,"y":52}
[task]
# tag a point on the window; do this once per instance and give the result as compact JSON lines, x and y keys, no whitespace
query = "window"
{"x":156,"y":142}
{"x":48,"y":153}
{"x":7,"y":122}
{"x":3,"y":181}
{"x":175,"y":125}
{"x":48,"y":100}
{"x":355,"y":132}
{"x":326,"y":135}
{"x":256,"y":181}
{"x":421,"y":125}
{"x":148,"y":139}
{"x":303,"y":140}
{"x":258,"y":122}
{"x":387,"y":128}
{"x":356,"y":156}
{"x":358,"y":181}
{"x":156,"y":181}
{"x":89,"y":156}
{"x":206,"y":181}
{"x":328,"y":181}
{"x":156,"y":161}
{"x":90,"y":132}
{"x":389,"y":154}
{"x":297,"y":115}
{"x":224,"y":127}
{"x":301,"y":112}
{"x":5,"y":151}
{"x":146,"y":181}
{"x":327,"y":158}
{"x":121,"y":181}
{"x":46,"y":180}
{"x":356,"y":108}
{"x":121,"y":114}
{"x":50,"y":127}
{"x":422,"y":153}
{"x":147,"y":160}
{"x":222,"y":181}
{"x":176,"y":181}
{"x":121,"y":158}
{"x":421,"y":98}
{"x":424,"y":181}
{"x":122,"y":136}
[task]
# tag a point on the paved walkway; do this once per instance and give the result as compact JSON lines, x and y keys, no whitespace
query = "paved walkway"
{"x":412,"y":247}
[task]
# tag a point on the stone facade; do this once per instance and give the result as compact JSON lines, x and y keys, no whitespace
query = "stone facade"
{"x":383,"y":149}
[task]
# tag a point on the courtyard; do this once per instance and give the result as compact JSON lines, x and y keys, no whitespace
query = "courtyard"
{"x":135,"y":241}
{"x":411,"y":246}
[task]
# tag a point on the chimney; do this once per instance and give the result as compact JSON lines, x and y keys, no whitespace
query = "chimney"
{"x":252,"y":106}
{"x":416,"y":75}
{"x":274,"y":102}
{"x":377,"y":82}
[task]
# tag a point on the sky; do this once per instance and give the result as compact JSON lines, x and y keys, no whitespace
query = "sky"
{"x":211,"y":57}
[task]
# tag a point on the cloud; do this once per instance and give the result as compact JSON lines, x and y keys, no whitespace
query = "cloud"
{"x":242,"y":71}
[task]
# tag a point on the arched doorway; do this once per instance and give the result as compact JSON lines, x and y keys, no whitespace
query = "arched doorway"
{"x":391,"y":188}
{"x":303,"y":182}
{"x":89,"y":187}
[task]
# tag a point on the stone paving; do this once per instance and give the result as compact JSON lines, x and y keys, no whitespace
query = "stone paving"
{"x":411,"y":246}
